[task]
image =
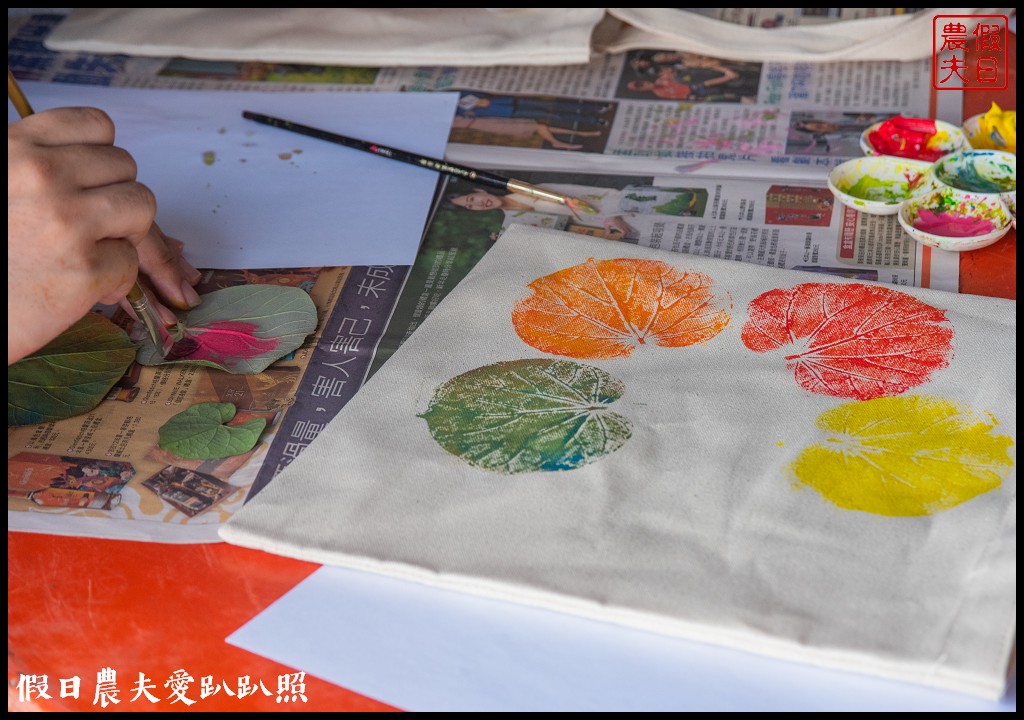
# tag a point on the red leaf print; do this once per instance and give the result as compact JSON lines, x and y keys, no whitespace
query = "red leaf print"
{"x":851,"y":341}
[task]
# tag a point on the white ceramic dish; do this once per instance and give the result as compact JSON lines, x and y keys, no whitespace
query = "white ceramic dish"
{"x":978,"y":171}
{"x":878,"y":184}
{"x":948,"y":138}
{"x":951,"y":219}
{"x":991,"y":141}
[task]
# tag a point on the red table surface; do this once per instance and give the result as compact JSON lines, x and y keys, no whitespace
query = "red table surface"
{"x":78,"y":605}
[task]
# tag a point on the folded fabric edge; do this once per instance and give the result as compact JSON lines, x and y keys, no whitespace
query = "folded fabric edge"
{"x":928,"y":675}
{"x":559,"y":56}
{"x":858,"y":39}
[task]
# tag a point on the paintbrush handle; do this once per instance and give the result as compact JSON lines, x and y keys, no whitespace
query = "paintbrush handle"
{"x":17,"y":97}
{"x":382,"y":150}
{"x":442,"y":166}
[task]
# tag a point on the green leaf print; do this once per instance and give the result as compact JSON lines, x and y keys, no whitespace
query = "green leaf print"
{"x":527,"y":415}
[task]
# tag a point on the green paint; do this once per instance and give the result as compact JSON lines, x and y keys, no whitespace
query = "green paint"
{"x":877,"y":190}
{"x":528,"y":415}
{"x":209,"y":157}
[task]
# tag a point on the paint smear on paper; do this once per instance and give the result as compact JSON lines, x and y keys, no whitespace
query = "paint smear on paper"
{"x":850,"y":341}
{"x":904,"y":456}
{"x":606,"y":309}
{"x":209,"y":157}
{"x":528,"y":415}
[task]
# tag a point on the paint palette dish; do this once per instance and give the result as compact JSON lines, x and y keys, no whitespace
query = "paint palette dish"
{"x":951,"y":219}
{"x":879,"y":184}
{"x":992,"y":130}
{"x":914,"y":138}
{"x":979,"y":171}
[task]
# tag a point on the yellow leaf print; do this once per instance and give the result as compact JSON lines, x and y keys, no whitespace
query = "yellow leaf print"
{"x":906,"y":455}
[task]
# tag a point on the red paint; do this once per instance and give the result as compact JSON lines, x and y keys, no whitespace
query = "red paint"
{"x":906,"y":137}
{"x":949,"y":225}
{"x":851,"y":341}
{"x":225,"y":342}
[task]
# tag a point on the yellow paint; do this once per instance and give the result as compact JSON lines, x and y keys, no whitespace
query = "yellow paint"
{"x":998,"y":129}
{"x":908,"y":455}
{"x":781,"y":444}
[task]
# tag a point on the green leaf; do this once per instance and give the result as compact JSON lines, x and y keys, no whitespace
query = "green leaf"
{"x":527,"y":415}
{"x":199,"y":433}
{"x":70,"y":375}
{"x":241,"y":329}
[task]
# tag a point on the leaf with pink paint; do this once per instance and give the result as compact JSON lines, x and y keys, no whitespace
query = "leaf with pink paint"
{"x":241,"y":329}
{"x":851,"y":341}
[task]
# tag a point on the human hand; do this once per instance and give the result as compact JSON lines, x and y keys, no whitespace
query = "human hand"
{"x":79,"y":226}
{"x":163,"y":264}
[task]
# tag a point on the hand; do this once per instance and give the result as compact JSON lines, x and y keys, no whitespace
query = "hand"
{"x":172,"y":276}
{"x":79,"y":226}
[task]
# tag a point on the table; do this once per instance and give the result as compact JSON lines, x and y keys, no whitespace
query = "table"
{"x":77,"y":606}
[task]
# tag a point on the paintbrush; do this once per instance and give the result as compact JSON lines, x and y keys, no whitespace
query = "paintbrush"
{"x":576,"y":205}
{"x":136,"y":297}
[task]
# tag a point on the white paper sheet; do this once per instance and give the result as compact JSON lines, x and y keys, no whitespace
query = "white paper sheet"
{"x":424,"y":649}
{"x":243,"y":195}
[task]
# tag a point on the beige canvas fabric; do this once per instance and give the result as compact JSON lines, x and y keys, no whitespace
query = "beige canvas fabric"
{"x":895,"y":37}
{"x":715,"y":495}
{"x":366,"y":37}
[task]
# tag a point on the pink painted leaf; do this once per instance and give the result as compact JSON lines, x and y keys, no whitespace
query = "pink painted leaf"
{"x":241,"y":329}
{"x":851,"y":341}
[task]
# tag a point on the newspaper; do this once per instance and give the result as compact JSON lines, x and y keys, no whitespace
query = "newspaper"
{"x":104,"y":474}
{"x":736,"y":169}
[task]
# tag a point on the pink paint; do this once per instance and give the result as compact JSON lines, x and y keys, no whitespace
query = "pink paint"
{"x":225,"y":342}
{"x":949,"y":225}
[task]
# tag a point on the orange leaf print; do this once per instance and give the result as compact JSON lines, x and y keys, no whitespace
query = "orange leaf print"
{"x":605,"y":309}
{"x":851,"y":341}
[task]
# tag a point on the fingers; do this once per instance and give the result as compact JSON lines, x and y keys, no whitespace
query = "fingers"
{"x":161,"y":259}
{"x":123,"y":210}
{"x":67,"y":126}
{"x":114,"y":268}
{"x":78,"y":166}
